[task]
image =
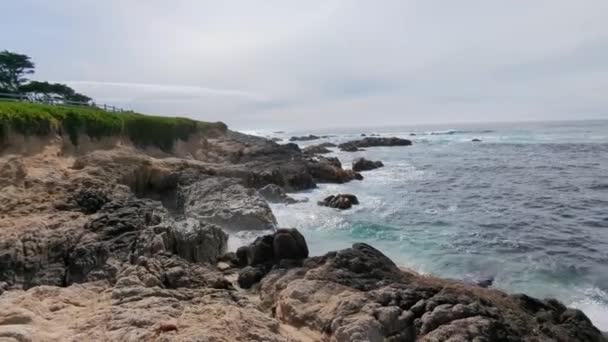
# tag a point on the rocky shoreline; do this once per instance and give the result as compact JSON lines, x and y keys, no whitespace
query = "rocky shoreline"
{"x":121,"y":243}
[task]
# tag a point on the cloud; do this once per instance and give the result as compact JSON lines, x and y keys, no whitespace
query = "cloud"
{"x":304,"y":64}
{"x":164,"y":89}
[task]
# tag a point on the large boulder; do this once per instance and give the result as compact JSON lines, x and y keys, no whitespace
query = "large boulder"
{"x":271,"y":249}
{"x":286,"y":247}
{"x":362,"y":164}
{"x":227,"y":203}
{"x":340,"y":201}
{"x":354,"y":145}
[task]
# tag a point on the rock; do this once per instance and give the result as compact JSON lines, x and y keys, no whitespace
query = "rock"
{"x":340,"y":201}
{"x":227,"y":203}
{"x":362,"y":164}
{"x":358,"y":294}
{"x":134,"y":312}
{"x":223,"y":266}
{"x":363,"y":134}
{"x":197,"y":241}
{"x":88,"y":201}
{"x":289,"y":244}
{"x":317,"y":149}
{"x":275,"y":194}
{"x":249,"y":276}
{"x":261,"y":251}
{"x":350,"y":148}
{"x":476,"y":140}
{"x":354,"y":145}
{"x":329,"y":170}
{"x":270,"y":249}
{"x":485,"y":282}
{"x":307,"y":137}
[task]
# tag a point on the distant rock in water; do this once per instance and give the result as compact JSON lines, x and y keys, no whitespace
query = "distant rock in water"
{"x":350,"y":148}
{"x":362,"y":164}
{"x":329,"y":170}
{"x":316,"y":149}
{"x":276,"y":139}
{"x":363,"y":135}
{"x":308,"y":137}
{"x":476,"y":140}
{"x":341,"y":201}
{"x":355,"y":145}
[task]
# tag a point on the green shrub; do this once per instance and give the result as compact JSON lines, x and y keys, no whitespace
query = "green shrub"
{"x":142,"y":130}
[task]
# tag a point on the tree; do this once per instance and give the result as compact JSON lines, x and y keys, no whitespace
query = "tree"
{"x":52,"y":91}
{"x":13,"y":70}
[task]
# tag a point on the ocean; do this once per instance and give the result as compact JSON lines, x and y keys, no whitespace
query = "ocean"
{"x":527,"y":206}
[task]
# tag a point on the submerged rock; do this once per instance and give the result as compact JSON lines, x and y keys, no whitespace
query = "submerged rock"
{"x":476,"y":140}
{"x":355,"y":145}
{"x":341,"y":201}
{"x":362,"y":164}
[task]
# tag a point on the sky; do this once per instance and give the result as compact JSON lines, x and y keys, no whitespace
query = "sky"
{"x":330,"y":63}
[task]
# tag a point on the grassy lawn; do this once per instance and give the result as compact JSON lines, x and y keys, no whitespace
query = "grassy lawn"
{"x":142,"y":130}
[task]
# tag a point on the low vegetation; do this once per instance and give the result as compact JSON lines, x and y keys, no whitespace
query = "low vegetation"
{"x":142,"y":130}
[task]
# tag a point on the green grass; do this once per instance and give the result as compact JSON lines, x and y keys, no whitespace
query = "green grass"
{"x":142,"y":130}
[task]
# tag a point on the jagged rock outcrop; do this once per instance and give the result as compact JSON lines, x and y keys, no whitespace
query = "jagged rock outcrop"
{"x":227,"y":203}
{"x":362,"y":164}
{"x":275,"y":194}
{"x":358,"y":294}
{"x":340,"y":201}
{"x":355,"y":145}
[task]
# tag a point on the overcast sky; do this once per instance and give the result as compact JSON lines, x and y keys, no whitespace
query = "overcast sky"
{"x":307,"y":64}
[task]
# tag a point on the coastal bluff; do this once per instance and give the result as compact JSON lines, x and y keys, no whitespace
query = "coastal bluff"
{"x":116,"y":229}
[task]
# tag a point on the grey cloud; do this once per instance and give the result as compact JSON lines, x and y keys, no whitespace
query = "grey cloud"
{"x":305,"y":64}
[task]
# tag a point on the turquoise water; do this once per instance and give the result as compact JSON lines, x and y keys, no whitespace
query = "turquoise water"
{"x":527,"y":206}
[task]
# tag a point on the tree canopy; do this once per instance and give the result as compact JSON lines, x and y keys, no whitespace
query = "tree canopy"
{"x":53,"y":91}
{"x":14,"y":68}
